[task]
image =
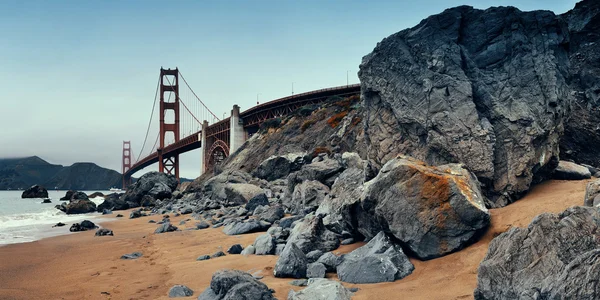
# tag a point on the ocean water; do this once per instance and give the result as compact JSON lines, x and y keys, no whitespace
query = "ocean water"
{"x":27,"y":220}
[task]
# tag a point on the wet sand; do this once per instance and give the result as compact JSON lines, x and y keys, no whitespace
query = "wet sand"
{"x":82,"y":266}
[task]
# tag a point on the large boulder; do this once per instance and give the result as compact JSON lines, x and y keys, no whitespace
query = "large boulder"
{"x":276,"y":167}
{"x":234,"y":284}
{"x":68,"y":195}
{"x":272,"y":214}
{"x":571,"y":171}
{"x":292,"y":263}
{"x":544,"y":258}
{"x":36,"y":191}
{"x":78,"y":207}
{"x":230,"y":188}
{"x":592,"y":193}
{"x":310,"y":234}
{"x":113,"y":202}
{"x":155,"y":184}
{"x":432,"y":210}
{"x":256,"y":201}
{"x":486,"y":88}
{"x":323,"y":171}
{"x":345,"y":193}
{"x":307,"y":196}
{"x":378,"y":261}
{"x":321,"y":289}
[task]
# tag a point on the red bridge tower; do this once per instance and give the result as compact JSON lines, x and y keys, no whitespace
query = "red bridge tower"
{"x":169,"y":83}
{"x":126,"y":164}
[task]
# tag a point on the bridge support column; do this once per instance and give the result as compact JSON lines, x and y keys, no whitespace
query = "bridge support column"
{"x":204,"y":147}
{"x":236,"y":130}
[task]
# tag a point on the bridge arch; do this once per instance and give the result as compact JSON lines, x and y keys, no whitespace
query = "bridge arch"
{"x":218,"y":151}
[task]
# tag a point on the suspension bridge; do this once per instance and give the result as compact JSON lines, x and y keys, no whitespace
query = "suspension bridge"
{"x":180,"y":129}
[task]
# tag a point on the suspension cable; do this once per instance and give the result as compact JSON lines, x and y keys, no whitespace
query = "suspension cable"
{"x":198,"y":97}
{"x":151,"y":116}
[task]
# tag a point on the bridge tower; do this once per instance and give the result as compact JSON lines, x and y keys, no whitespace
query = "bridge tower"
{"x":169,"y":83}
{"x":126,"y":163}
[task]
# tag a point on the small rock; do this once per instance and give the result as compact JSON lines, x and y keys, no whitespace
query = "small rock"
{"x":47,"y":200}
{"x":291,"y":263}
{"x":235,"y":249}
{"x":151,"y":221}
{"x":180,"y":291}
{"x":299,"y":282}
{"x":321,"y":289}
{"x":218,"y":254}
{"x":134,"y":255}
{"x":135,"y":214}
{"x":119,"y":215}
{"x":104,"y":232}
{"x":316,"y":270}
{"x":59,"y":224}
{"x":166,"y":227}
{"x":348,"y":241}
{"x":203,"y":257}
{"x":107,"y":212}
{"x":202,"y":225}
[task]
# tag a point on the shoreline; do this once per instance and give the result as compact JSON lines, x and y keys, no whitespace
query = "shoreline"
{"x":80,"y":265}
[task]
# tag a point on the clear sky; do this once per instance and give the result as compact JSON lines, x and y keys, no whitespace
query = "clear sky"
{"x":79,"y":77}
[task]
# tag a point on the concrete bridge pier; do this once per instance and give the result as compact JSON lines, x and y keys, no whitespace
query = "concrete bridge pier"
{"x":204,"y":147}
{"x":237,"y":136}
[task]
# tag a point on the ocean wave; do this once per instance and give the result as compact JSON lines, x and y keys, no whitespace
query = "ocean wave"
{"x":47,"y":216}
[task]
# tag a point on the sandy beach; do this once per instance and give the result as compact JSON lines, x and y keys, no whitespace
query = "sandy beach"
{"x":82,"y":266}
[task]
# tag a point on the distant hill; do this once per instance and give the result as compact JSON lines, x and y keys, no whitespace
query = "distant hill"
{"x":21,"y":173}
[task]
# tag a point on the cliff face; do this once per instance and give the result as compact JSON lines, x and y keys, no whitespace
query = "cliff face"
{"x":582,"y":129}
{"x":21,"y":173}
{"x":487,"y":88}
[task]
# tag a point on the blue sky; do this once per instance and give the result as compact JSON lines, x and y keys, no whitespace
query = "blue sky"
{"x":79,"y":77}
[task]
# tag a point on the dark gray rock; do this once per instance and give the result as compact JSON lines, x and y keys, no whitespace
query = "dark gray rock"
{"x":258,"y":200}
{"x":113,"y":202}
{"x":264,"y":244}
{"x":136,"y":214}
{"x":203,"y":257}
{"x":218,"y":254}
{"x":36,"y":191}
{"x":180,"y":291}
{"x":279,"y":249}
{"x":330,"y":261}
{"x":378,"y":261}
{"x":234,"y":284}
{"x":107,"y":212}
{"x":432,"y":210}
{"x":322,"y":171}
{"x":165,"y":227}
{"x":571,"y":171}
{"x":291,"y":263}
{"x":299,"y":282}
{"x":348,"y":241}
{"x":134,"y":255}
{"x":314,"y":255}
{"x":230,"y":188}
{"x":59,"y":224}
{"x":155,"y":184}
{"x":288,"y":221}
{"x":147,"y":201}
{"x":235,"y":249}
{"x":272,"y":214}
{"x":306,"y":196}
{"x":47,"y":200}
{"x":321,"y":289}
{"x":83,"y":226}
{"x":276,"y":167}
{"x":202,"y":225}
{"x":543,"y":258}
{"x":104,"y":232}
{"x":78,"y":207}
{"x":578,"y":280}
{"x":68,"y":195}
{"x":449,"y":90}
{"x":316,"y":270}
{"x":311,"y":234}
{"x":248,"y":226}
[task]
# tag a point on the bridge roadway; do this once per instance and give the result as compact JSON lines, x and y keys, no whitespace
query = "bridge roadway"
{"x":251,"y":119}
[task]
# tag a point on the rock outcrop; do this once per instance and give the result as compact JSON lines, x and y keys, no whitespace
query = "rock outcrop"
{"x":548,"y":258}
{"x":486,"y":88}
{"x":83,"y":206}
{"x":432,"y":210}
{"x":35,"y":191}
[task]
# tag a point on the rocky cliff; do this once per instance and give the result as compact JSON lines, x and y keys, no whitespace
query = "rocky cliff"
{"x":21,"y":173}
{"x":487,"y":88}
